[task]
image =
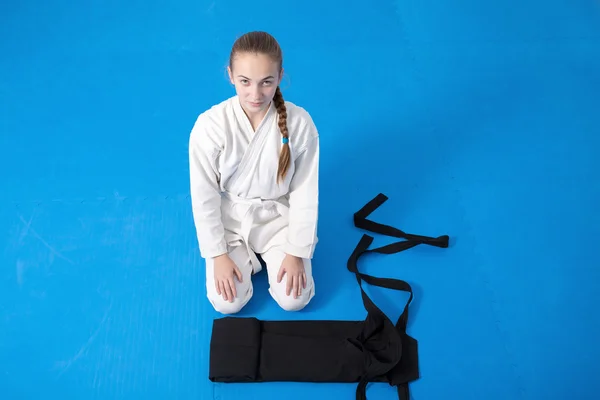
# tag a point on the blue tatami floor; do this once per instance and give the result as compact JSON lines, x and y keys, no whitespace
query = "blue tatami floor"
{"x":477,"y":119}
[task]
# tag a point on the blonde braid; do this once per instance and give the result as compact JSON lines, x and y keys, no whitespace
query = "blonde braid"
{"x":284,"y":158}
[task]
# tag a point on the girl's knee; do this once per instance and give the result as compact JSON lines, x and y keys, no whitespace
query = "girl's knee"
{"x":229,"y":307}
{"x":244,"y":289}
{"x":289,"y":302}
{"x":244,"y":292}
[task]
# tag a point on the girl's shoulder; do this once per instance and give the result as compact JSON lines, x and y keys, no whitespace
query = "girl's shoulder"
{"x":211,"y":123}
{"x":297,"y":114}
{"x":300,"y":123}
{"x":217,"y":114}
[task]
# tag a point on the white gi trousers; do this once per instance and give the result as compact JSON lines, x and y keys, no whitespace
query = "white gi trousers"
{"x":256,"y":226}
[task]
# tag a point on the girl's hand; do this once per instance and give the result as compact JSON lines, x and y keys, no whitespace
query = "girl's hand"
{"x":293,"y":267}
{"x":225,"y":271}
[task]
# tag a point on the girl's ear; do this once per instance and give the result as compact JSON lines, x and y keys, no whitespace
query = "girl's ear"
{"x":280,"y":76}
{"x":230,"y":75}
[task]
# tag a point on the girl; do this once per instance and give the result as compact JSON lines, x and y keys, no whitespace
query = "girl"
{"x":254,"y":164}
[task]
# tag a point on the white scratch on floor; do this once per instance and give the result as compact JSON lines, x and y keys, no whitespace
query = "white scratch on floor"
{"x":66,"y":365}
{"x":36,"y":235}
{"x":20,"y":272}
{"x":26,"y":229}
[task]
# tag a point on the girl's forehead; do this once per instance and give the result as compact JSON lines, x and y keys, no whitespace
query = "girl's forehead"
{"x":260,"y":65}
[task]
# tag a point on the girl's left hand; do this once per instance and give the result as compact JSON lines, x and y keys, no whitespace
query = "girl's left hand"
{"x":296,"y":276}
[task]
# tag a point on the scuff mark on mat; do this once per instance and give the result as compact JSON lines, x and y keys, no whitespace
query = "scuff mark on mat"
{"x":44,"y":242}
{"x":64,"y":366}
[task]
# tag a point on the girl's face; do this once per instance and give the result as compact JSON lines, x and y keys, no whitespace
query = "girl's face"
{"x":256,"y":77}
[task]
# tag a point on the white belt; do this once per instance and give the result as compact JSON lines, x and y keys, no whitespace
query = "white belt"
{"x":248,"y":218}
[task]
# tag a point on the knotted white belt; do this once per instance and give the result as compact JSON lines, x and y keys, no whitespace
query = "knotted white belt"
{"x":253,"y":205}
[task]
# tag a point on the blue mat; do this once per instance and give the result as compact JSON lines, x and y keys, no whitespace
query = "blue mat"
{"x":476,"y":119}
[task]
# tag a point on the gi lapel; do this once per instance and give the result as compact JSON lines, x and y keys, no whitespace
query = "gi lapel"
{"x":256,"y":143}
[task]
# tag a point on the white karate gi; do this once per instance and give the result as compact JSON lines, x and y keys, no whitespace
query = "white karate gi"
{"x":240,"y":208}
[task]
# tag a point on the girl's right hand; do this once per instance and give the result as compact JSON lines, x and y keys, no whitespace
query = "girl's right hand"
{"x":225,"y":270}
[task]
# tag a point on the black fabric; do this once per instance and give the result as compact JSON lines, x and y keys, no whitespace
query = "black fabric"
{"x":373,"y":350}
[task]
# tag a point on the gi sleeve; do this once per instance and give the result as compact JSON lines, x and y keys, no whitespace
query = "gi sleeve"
{"x":205,"y":192}
{"x":304,"y":200}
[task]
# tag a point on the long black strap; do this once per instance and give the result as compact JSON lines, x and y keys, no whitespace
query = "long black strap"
{"x":361,"y":221}
{"x":376,"y":319}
